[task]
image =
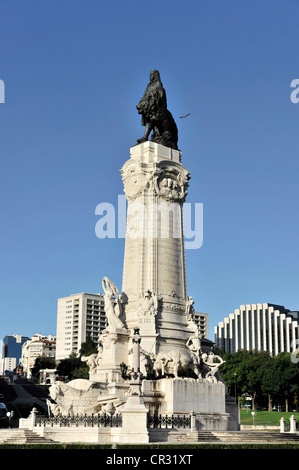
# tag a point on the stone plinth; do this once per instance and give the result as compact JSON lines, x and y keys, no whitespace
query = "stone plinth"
{"x":180,"y":396}
{"x":207,"y":401}
{"x":115,"y":351}
{"x":134,"y":421}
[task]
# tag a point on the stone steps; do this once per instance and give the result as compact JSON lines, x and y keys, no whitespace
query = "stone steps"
{"x":22,"y":436}
{"x":238,"y":437}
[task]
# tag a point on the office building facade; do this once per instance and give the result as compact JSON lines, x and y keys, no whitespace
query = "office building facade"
{"x":78,"y":316}
{"x":259,"y":327}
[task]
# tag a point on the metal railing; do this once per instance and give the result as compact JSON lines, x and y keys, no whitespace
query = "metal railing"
{"x":100,"y":421}
{"x":169,"y":421}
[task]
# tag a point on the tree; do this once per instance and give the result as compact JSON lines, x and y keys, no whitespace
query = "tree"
{"x":67,"y":367}
{"x":254,"y":367}
{"x":280,"y":380}
{"x":262,"y":376}
{"x":43,"y":362}
{"x":242,"y":372}
{"x":73,"y":367}
{"x":88,"y":347}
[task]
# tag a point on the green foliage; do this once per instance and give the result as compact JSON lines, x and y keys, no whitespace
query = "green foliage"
{"x":68,"y":367}
{"x":73,"y":367}
{"x":88,"y":347}
{"x":281,"y":378}
{"x":43,"y":362}
{"x":261,"y":376}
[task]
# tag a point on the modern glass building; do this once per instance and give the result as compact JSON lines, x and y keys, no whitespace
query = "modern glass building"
{"x":260,"y":327}
{"x":12,"y":352}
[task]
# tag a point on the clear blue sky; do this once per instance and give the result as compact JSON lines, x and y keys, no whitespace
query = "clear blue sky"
{"x":73,"y":72}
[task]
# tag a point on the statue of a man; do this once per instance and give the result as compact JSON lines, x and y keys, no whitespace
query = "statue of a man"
{"x":194,"y":343}
{"x":155,"y":115}
{"x":189,"y":310}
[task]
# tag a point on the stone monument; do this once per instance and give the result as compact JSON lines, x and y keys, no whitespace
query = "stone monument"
{"x":150,"y":359}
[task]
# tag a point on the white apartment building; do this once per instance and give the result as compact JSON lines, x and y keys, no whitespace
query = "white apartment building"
{"x":38,"y":345}
{"x":260,"y":327}
{"x":202,"y":321}
{"x":78,"y":316}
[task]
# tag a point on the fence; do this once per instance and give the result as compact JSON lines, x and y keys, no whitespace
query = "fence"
{"x":169,"y":421}
{"x":102,"y":421}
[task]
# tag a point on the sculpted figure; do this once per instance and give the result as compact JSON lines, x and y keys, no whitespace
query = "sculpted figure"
{"x":94,"y":360}
{"x":194,"y":343}
{"x":176,"y":361}
{"x":91,"y":361}
{"x":75,"y":397}
{"x":108,"y":409}
{"x":148,"y":304}
{"x":189,"y":308}
{"x":213,"y":362}
{"x":146,"y":362}
{"x":113,"y":312}
{"x":155,"y":115}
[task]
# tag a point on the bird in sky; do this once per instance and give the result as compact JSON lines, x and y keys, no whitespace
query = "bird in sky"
{"x":182,"y":117}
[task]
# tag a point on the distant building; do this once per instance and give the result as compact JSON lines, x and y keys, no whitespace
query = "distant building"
{"x":202,"y":321}
{"x":38,"y":345}
{"x":78,"y":316}
{"x":47,"y":376}
{"x":260,"y":327}
{"x":12,"y":352}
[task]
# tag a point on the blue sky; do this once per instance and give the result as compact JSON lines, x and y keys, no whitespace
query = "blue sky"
{"x":73,"y":73}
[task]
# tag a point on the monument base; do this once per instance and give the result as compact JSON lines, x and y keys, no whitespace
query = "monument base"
{"x":206,"y":400}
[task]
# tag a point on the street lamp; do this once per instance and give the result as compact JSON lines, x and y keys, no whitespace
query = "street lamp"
{"x":235,"y":377}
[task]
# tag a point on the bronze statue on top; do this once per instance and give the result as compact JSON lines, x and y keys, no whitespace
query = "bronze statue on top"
{"x":155,"y":115}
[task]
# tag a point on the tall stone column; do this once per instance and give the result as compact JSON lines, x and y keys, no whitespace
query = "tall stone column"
{"x":154,"y":272}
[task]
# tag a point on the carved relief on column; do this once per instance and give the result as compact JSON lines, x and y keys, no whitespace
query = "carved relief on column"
{"x":171,"y":183}
{"x":168,"y":181}
{"x":135,"y":179}
{"x":148,"y":304}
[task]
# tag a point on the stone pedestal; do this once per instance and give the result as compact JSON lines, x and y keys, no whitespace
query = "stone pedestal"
{"x":282,"y":423}
{"x":180,"y":396}
{"x":292,"y":424}
{"x":134,"y":421}
{"x":207,"y":401}
{"x":115,"y":351}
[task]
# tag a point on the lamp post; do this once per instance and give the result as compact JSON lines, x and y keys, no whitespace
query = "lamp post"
{"x":235,"y":377}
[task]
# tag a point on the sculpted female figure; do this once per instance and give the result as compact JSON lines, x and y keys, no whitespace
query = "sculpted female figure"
{"x":113,"y":312}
